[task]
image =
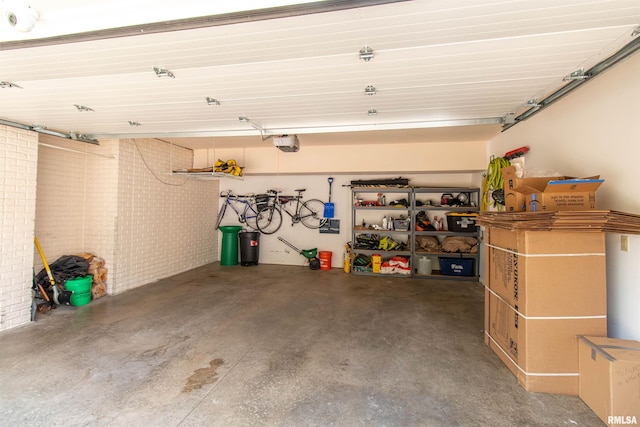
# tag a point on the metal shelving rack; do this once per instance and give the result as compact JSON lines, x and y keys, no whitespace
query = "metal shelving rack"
{"x":411,"y":252}
{"x":437,"y":192}
{"x":398,"y":235}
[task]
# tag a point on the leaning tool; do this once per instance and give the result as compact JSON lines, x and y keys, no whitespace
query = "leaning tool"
{"x":59,"y":297}
{"x":51,"y":279}
{"x":310,"y":254}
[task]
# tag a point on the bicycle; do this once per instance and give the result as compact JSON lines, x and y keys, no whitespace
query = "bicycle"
{"x":309,"y":213}
{"x":249,"y":214}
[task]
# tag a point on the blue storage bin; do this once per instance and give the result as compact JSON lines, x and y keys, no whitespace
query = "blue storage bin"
{"x":456,"y":266}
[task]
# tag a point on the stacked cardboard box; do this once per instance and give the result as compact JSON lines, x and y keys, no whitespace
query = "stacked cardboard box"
{"x":610,"y":378}
{"x":548,"y":193}
{"x":543,"y":289}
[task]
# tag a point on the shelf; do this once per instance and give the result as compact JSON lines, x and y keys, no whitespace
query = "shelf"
{"x":381,"y":252}
{"x":382,"y":189}
{"x":438,"y":276}
{"x":447,"y":254}
{"x":382,"y":208}
{"x":382,"y":232}
{"x":207,"y":175}
{"x":447,"y":208}
{"x":413,"y":252}
{"x":371,"y":273}
{"x":446,"y":233}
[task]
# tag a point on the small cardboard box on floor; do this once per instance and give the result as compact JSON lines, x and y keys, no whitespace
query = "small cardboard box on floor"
{"x":544,"y":288}
{"x":548,"y":193}
{"x":610,"y":378}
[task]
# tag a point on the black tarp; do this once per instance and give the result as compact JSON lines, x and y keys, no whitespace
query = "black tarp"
{"x":65,"y":268}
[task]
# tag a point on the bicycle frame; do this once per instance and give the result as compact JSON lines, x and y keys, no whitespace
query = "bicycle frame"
{"x":295,"y":217}
{"x":244,"y":215}
{"x":303,"y":211}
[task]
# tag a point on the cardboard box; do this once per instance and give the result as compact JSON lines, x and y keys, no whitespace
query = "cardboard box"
{"x":515,"y":201}
{"x":610,"y":378}
{"x":548,"y":273}
{"x":562,"y":195}
{"x":542,"y":352}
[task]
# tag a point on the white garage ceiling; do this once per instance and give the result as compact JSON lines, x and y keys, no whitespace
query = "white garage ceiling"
{"x":436,"y":63}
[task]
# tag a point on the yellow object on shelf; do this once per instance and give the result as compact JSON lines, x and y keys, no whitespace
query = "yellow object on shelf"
{"x":376,"y":262}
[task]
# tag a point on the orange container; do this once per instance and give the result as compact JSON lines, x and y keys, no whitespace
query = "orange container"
{"x":325,"y":260}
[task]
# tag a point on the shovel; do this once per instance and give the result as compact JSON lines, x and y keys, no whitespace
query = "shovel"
{"x":328,"y":207}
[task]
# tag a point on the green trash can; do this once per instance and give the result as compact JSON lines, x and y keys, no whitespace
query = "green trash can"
{"x":229,"y":255}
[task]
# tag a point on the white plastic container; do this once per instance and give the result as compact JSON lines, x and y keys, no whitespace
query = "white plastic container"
{"x":424,"y":265}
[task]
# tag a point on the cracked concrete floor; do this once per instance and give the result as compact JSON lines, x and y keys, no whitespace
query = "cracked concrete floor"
{"x":270,"y":345}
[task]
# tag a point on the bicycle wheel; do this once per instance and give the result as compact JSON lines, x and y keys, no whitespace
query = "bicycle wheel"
{"x":311,"y":213}
{"x":251,"y":216}
{"x":269,"y":220}
{"x":223,"y":210}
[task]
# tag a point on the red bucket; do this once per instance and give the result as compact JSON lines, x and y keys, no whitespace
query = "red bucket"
{"x":325,"y":260}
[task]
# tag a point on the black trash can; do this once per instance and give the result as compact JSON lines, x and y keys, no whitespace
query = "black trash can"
{"x":249,"y":245}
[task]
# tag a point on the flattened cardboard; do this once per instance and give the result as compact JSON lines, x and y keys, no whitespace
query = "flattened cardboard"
{"x":548,"y":273}
{"x":610,"y":377}
{"x":542,"y":352}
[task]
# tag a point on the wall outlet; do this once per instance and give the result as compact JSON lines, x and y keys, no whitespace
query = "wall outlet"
{"x":624,"y":243}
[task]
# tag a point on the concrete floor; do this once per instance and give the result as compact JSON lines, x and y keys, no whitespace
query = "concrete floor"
{"x":273,"y":346}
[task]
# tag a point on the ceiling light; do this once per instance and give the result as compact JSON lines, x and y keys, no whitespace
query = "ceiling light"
{"x":370,"y":90}
{"x":131,"y":123}
{"x":161,"y":72}
{"x":9,"y":85}
{"x":372,"y":112}
{"x":243,"y":119}
{"x":19,"y":15}
{"x":576,"y":75}
{"x":83,"y":108}
{"x":366,"y":54}
{"x":212,"y":101}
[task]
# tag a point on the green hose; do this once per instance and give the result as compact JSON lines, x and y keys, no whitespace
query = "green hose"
{"x":492,"y":181}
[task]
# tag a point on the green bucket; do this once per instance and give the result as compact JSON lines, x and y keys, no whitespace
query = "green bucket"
{"x":81,"y":288}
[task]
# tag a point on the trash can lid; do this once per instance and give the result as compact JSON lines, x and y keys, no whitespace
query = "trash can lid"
{"x":230,"y":228}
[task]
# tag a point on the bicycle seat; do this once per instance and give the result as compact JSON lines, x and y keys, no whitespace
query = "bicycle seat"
{"x":301,"y":190}
{"x":274,"y":191}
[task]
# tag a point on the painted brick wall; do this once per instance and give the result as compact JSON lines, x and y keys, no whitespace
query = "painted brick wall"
{"x":76,"y":199}
{"x":18,"y":160}
{"x":165,"y":223}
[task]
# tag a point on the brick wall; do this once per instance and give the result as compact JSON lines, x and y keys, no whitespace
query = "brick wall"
{"x":116,"y":200}
{"x":18,"y":160}
{"x":165,"y":223}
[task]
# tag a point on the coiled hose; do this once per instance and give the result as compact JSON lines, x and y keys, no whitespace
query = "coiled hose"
{"x":492,"y":181}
